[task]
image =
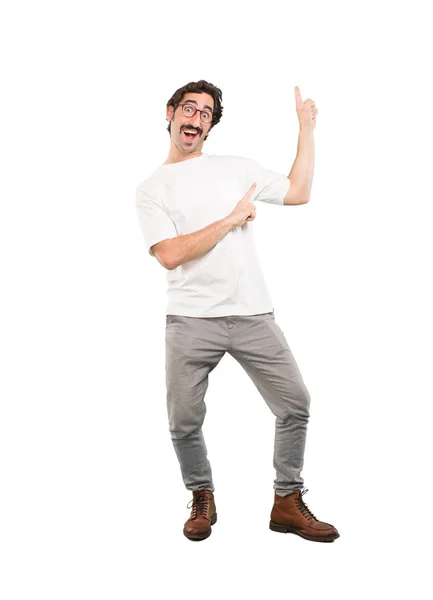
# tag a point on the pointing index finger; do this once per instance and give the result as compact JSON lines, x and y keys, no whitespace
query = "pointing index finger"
{"x":298,"y":96}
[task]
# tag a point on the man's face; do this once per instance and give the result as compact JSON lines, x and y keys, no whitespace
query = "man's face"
{"x":181,"y":123}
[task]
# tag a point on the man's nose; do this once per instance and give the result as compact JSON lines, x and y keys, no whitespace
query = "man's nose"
{"x":195,"y":120}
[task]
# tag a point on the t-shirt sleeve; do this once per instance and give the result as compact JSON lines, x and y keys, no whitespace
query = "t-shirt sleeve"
{"x":271,"y":187}
{"x":155,"y":223}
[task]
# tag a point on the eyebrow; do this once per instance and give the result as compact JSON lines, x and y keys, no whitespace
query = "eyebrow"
{"x":196,"y":103}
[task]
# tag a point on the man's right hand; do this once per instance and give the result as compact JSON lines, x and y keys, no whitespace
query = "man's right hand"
{"x":244,"y":209}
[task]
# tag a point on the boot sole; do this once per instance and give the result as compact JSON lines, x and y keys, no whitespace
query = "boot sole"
{"x":284,"y":529}
{"x":198,"y":537}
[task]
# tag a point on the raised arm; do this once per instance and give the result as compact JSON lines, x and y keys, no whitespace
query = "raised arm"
{"x":301,"y":174}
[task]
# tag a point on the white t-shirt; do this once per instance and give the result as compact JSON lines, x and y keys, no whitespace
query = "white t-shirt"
{"x":183,"y":197}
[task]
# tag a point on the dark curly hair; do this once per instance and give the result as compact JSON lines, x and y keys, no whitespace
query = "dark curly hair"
{"x":199,"y":87}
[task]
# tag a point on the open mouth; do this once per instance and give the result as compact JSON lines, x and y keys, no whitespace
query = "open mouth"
{"x":190,"y":135}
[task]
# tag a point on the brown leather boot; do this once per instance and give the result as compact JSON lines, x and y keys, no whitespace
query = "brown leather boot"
{"x":203,"y":516}
{"x":291,"y":515}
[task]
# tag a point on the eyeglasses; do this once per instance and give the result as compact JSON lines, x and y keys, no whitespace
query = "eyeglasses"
{"x":189,"y":111}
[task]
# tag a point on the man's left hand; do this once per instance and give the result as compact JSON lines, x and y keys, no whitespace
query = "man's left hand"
{"x":306,"y":111}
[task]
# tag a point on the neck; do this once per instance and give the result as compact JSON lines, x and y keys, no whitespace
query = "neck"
{"x":175,"y":155}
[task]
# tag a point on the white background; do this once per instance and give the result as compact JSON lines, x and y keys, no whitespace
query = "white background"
{"x":92,"y":501}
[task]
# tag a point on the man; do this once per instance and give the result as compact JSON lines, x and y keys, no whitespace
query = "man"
{"x":195,"y":212}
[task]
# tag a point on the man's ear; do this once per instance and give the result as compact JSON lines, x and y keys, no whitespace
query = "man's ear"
{"x":169,"y":113}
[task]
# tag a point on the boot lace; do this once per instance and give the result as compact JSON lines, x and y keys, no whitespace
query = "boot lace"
{"x":200,"y":506}
{"x":303,"y":507}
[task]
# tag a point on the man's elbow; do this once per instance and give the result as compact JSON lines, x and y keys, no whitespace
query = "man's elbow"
{"x":296,"y":195}
{"x":162,"y":251}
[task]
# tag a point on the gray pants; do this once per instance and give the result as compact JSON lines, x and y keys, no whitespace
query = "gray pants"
{"x":194,"y":347}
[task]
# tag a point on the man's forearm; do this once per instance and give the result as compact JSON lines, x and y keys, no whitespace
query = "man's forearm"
{"x":193,"y":245}
{"x":301,"y":175}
